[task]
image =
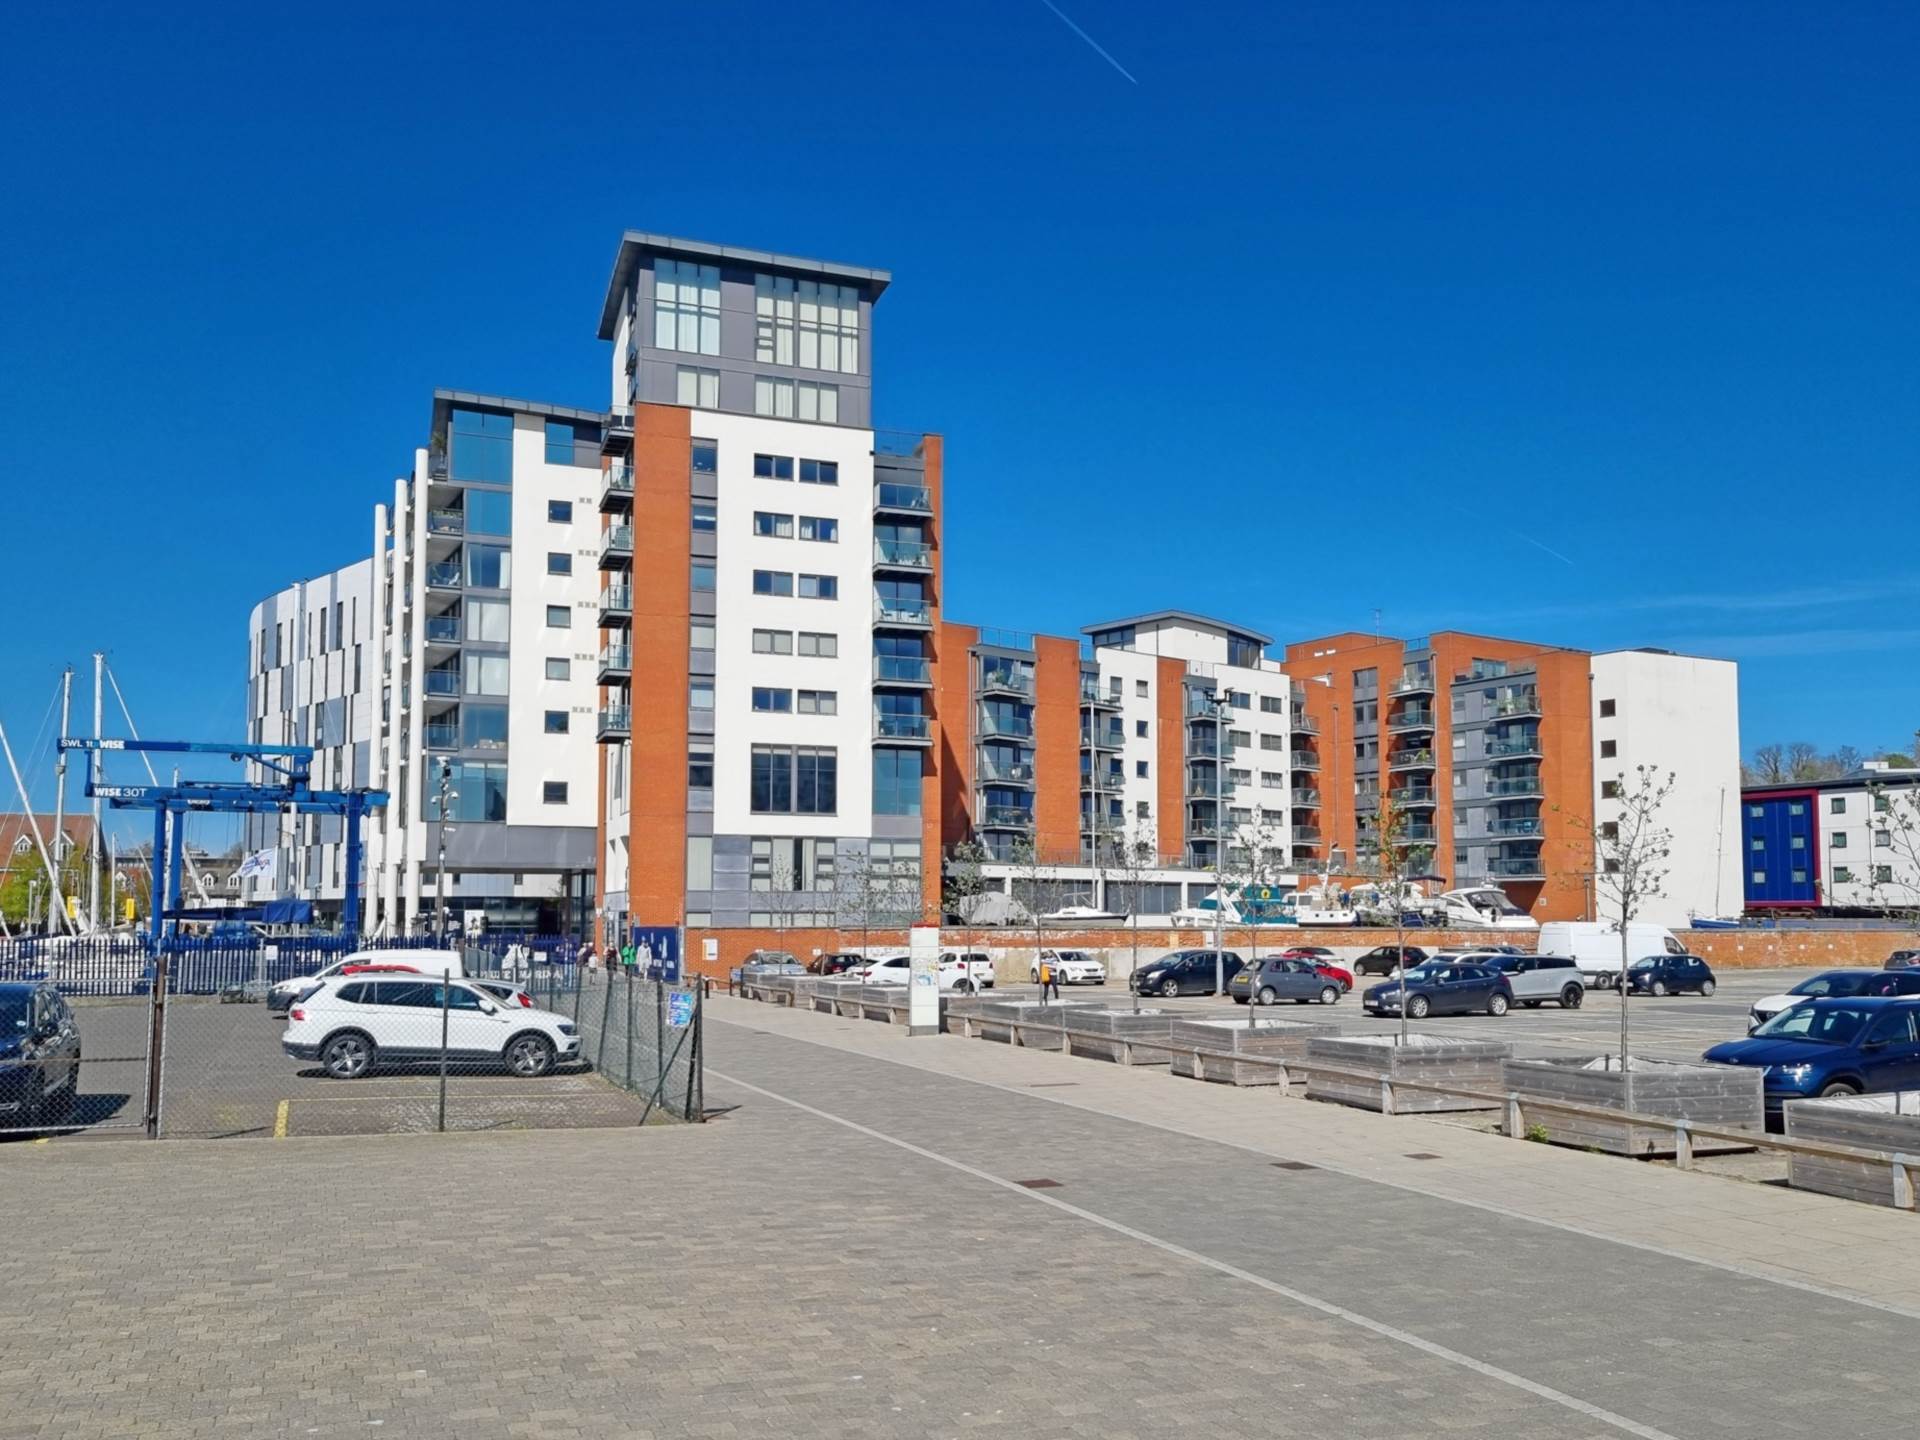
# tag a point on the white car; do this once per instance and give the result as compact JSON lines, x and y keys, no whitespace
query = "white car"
{"x":354,"y":1023}
{"x":1070,"y":967}
{"x":283,"y":993}
{"x":964,"y":974}
{"x":1831,"y":984}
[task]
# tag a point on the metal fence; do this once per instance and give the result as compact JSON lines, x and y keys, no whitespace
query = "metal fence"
{"x":183,"y":1043}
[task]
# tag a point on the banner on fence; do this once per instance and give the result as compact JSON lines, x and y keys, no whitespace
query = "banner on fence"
{"x":656,"y":952}
{"x":680,"y":1009}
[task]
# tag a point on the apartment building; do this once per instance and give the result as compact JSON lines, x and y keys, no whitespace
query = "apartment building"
{"x":769,"y":599}
{"x":1847,"y":845}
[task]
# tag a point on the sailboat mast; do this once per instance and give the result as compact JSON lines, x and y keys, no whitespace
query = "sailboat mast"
{"x":57,"y":901}
{"x":93,"y":779}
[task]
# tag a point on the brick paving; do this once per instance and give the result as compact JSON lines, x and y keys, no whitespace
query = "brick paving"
{"x":779,"y":1273}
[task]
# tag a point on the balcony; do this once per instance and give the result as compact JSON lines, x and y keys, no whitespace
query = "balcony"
{"x":1419,"y":759}
{"x":1004,"y":772}
{"x":1198,"y":707}
{"x":616,"y":605}
{"x":616,"y":547}
{"x":442,"y":737}
{"x":446,"y":522}
{"x":914,"y":670}
{"x":1202,"y":785}
{"x":1418,"y":835}
{"x":442,"y":629}
{"x":902,"y":612}
{"x":1413,"y":682}
{"x":1306,"y":834}
{"x":903,"y":729}
{"x":1412,"y":797}
{"x":1511,"y":746}
{"x":1099,"y":699}
{"x":616,"y":663}
{"x":1006,"y":727}
{"x":901,"y":554}
{"x":1528,"y":785}
{"x":1304,"y":724}
{"x":615,"y":723}
{"x":1517,"y":705}
{"x":1304,"y":760}
{"x":443,"y":575}
{"x":1102,"y":737}
{"x":616,"y":490}
{"x":1005,"y":817}
{"x":617,"y":434}
{"x":1526,"y":828}
{"x":1308,"y":799}
{"x":1107,"y":782}
{"x":890,"y":497}
{"x":1529,"y":867}
{"x":1005,"y":680}
{"x":436,"y":465}
{"x":441,"y":682}
{"x":1410,"y":718}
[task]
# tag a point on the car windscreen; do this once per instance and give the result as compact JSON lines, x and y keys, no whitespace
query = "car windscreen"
{"x":16,"y":1014}
{"x":1426,"y":972}
{"x":1821,"y":1024}
{"x":1832,"y":985}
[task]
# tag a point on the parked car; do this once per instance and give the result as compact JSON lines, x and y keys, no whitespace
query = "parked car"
{"x":420,"y":962}
{"x":1595,"y":946}
{"x":1833,"y":985}
{"x":975,"y":969}
{"x":352,"y":1026}
{"x":1324,"y":961}
{"x":774,"y":962}
{"x":1070,"y":967}
{"x":1385,"y":959}
{"x":1455,"y":952}
{"x":964,"y":973}
{"x":1537,"y":979}
{"x":1670,"y":975}
{"x":1903,"y":960}
{"x":1185,"y":972}
{"x":39,"y":1054}
{"x":1442,"y":988}
{"x":1282,"y":978}
{"x":836,"y":962}
{"x":1849,"y":1046}
{"x":506,"y":992}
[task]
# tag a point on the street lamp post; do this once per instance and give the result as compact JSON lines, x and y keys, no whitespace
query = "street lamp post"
{"x":1219,"y":841}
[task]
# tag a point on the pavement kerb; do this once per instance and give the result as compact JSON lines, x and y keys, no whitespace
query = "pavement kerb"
{"x":1714,"y":1220}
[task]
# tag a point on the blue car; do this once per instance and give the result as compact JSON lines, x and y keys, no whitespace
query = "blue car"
{"x":1851,"y":1046}
{"x":1441,"y":987}
{"x":39,"y":1056}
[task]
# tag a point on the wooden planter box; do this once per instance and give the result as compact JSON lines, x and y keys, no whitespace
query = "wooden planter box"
{"x":1875,"y":1122}
{"x":829,"y":995}
{"x":1728,"y":1095}
{"x":877,"y":1002}
{"x":990,"y":1022}
{"x":1431,"y":1059}
{"x":1121,"y":1035}
{"x":1277,"y":1039}
{"x":794,"y":991}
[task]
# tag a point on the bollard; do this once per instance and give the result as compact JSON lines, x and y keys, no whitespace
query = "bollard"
{"x":1515,"y":1127}
{"x":1386,"y":1095}
{"x":1285,"y":1080}
{"x":1682,"y":1146}
{"x":1903,"y":1182}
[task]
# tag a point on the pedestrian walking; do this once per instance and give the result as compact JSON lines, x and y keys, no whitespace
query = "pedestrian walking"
{"x":1049,"y":977}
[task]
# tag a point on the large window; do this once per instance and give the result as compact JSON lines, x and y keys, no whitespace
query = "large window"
{"x":772,"y":699}
{"x":896,"y":781}
{"x":773,"y":582}
{"x":477,"y":791}
{"x":778,"y":527}
{"x":485,"y":674}
{"x":480,"y":447}
{"x":686,"y":307}
{"x":796,"y":400}
{"x":489,"y":512}
{"x":773,"y":467}
{"x":487,"y":620}
{"x":568,"y":438}
{"x":829,"y":327}
{"x":798,"y":781}
{"x":819,"y":472}
{"x":820,"y":587}
{"x":819,"y":644}
{"x":695,"y":387}
{"x":773,"y":642}
{"x":490,"y":567}
{"x":773,"y":306}
{"x":483,"y":727}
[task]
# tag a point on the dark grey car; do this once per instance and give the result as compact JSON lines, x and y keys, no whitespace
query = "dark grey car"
{"x":1282,"y":979}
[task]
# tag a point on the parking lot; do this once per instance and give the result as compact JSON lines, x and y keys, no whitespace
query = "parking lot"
{"x":226,"y":1077}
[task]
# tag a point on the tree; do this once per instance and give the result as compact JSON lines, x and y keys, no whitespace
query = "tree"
{"x":1769,"y":765}
{"x":1804,"y":761}
{"x":1631,"y":851}
{"x":1029,"y":872}
{"x":1264,"y":853}
{"x":1394,"y":859}
{"x":962,"y":881}
{"x":1895,"y":885}
{"x":870,"y":895}
{"x":1135,"y":854}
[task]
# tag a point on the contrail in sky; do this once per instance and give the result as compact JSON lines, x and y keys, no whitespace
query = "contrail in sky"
{"x":1098,"y":49}
{"x":1548,"y":548}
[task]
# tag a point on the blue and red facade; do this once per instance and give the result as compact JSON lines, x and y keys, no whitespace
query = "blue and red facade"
{"x":1780,"y":848}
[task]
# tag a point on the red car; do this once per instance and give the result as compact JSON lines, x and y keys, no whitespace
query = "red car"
{"x":1322,"y":960}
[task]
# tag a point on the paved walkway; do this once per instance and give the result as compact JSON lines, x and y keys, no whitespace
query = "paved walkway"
{"x":852,"y":1253}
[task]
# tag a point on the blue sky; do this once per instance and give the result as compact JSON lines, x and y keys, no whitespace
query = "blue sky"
{"x":1588,"y":324}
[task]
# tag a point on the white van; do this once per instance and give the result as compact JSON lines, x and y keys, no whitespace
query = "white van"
{"x":1595,"y":946}
{"x":422,"y":962}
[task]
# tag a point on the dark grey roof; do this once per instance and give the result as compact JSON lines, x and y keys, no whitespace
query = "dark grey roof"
{"x":444,"y":399}
{"x":1155,"y":617}
{"x":1852,"y":780}
{"x":636,"y":242}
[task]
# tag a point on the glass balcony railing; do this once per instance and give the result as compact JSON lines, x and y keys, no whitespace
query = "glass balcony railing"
{"x":617,"y":483}
{"x":1102,"y":737}
{"x":1304,"y":760}
{"x":891,"y":495}
{"x":1531,"y":868}
{"x":1006,"y":817}
{"x":1521,"y":829}
{"x":1525,"y":785}
{"x":1417,"y":835}
{"x":1093,"y":694}
{"x":1418,"y":759}
{"x":442,"y":682}
{"x":901,"y":610}
{"x":617,"y":540}
{"x":616,"y":720}
{"x":1306,"y":834}
{"x":908,"y":554}
{"x":1514,"y":745}
{"x":902,"y":670}
{"x":1005,"y":680}
{"x":446,"y":522}
{"x":1307,"y":798}
{"x":1198,"y":707}
{"x":1017,"y":727}
{"x":1102,"y":780}
{"x":1517,"y":705}
{"x":615,"y":657}
{"x":616,"y":598}
{"x":1005,"y":772}
{"x":442,"y":737}
{"x":444,"y":575}
{"x":443,"y":629}
{"x":1413,"y":717}
{"x":901,"y":727}
{"x":1304,"y":723}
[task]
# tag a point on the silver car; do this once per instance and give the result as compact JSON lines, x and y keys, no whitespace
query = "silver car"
{"x":1537,"y":979}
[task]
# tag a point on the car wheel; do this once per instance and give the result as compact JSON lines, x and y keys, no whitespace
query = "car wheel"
{"x":1497,"y":1005}
{"x":1659,"y":987}
{"x":1033,"y":977}
{"x":1571,"y":997}
{"x":1170,"y":988}
{"x":1531,"y":1004}
{"x":1329,"y":994}
{"x":963,"y":987}
{"x":348,"y":1056}
{"x":1706,"y":988}
{"x":1417,"y":1007}
{"x":529,"y":1056}
{"x":1839,"y":1087}
{"x":1268,"y":995}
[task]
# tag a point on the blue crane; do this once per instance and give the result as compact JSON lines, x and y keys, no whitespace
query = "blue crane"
{"x":293,"y":793}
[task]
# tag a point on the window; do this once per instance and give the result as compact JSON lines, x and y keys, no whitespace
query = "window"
{"x":800,"y":781}
{"x":696,"y":388}
{"x":819,"y":644}
{"x":1837,"y":805}
{"x":1236,"y":739}
{"x":700,"y":693}
{"x":553,"y":792}
{"x":1139,"y":769}
{"x":1842,"y":875}
{"x":699,"y":862}
{"x":829,"y":327}
{"x":485,"y":674}
{"x":490,"y":567}
{"x":1609,"y":789}
{"x":1882,"y":804}
{"x":559,"y":617}
{"x":686,"y":306}
{"x":1272,"y":705}
{"x":701,"y":576}
{"x":1239,"y":700}
{"x":483,"y":727}
{"x":1839,"y":839}
{"x":773,"y":467}
{"x":560,"y":512}
{"x":1756,"y":844}
{"x":1140,"y":688}
{"x":1796,"y":807}
{"x":558,"y":668}
{"x":819,"y":472}
{"x":1797,"y":842}
{"x":1799,"y":877}
{"x":1273,"y":780}
{"x":1756,"y":811}
{"x":559,"y":442}
{"x":488,"y":512}
{"x":896,"y":781}
{"x":477,"y":791}
{"x":773,"y":306}
{"x":773,"y":582}
{"x":705,"y":457}
{"x":1273,"y":742}
{"x":1883,"y":837}
{"x":1759,"y":876}
{"x":1609,"y":749}
{"x":700,"y":769}
{"x":773,"y":642}
{"x":556,"y":722}
{"x":819,"y":587}
{"x":486,"y":620}
{"x":1883,"y":874}
{"x":1142,"y":810}
{"x":700,"y":635}
{"x":770,"y":700}
{"x":1606,"y":709}
{"x":1140,"y":729}
{"x":480,"y":447}
{"x":773,"y":397}
{"x":776,"y":527}
{"x":705,"y":518}
{"x":819,"y":527}
{"x":819,"y":702}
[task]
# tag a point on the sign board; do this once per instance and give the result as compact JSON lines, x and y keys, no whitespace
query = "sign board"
{"x":680,"y":1009}
{"x":923,"y":980}
{"x":656,"y":952}
{"x":711,"y":949}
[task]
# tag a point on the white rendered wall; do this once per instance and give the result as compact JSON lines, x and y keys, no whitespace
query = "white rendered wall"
{"x":1874,"y":838}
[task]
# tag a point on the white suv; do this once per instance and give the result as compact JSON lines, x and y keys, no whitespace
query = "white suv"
{"x":352,"y":1024}
{"x":424,"y":962}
